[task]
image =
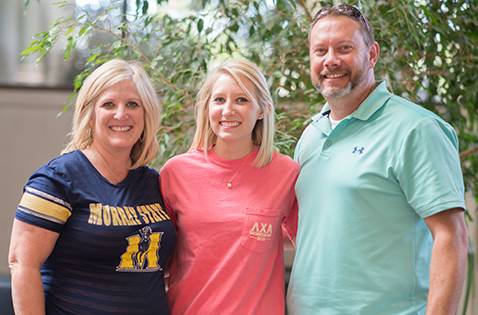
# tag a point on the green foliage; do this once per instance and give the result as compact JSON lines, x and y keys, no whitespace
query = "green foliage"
{"x":428,"y":54}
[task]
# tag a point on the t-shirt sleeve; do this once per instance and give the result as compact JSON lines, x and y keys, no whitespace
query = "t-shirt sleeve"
{"x":291,"y":222}
{"x":44,"y":202}
{"x":428,"y":168}
{"x":163,"y":187}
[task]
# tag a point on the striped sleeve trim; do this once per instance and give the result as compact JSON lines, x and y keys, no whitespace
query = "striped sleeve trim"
{"x":44,"y":195}
{"x":45,"y":206}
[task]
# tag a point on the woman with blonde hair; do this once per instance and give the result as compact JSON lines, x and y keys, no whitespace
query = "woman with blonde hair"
{"x":229,"y":196}
{"x":91,"y":235}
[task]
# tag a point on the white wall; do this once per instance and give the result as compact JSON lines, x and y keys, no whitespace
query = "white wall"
{"x":18,"y":25}
{"x":30,"y":134}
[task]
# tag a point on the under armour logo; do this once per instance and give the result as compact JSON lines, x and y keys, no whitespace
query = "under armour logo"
{"x":358,"y":150}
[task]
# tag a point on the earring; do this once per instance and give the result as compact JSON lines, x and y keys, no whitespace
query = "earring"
{"x":141,"y":138}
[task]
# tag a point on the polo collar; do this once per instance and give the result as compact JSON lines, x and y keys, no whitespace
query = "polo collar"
{"x":373,"y":102}
{"x":369,"y":106}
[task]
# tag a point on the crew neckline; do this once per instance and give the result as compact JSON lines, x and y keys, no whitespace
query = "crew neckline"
{"x":216,"y":159}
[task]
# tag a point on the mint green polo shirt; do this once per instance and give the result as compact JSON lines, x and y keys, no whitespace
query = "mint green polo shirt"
{"x":363,"y":192}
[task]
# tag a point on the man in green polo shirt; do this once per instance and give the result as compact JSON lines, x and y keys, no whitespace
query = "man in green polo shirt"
{"x":381,"y":196}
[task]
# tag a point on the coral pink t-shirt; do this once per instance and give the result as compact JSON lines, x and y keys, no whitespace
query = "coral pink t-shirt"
{"x":229,"y":255}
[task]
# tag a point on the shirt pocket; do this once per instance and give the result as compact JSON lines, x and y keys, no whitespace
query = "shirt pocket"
{"x":260,"y":228}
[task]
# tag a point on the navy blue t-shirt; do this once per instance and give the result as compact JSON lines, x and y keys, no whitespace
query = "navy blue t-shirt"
{"x":114,"y":240}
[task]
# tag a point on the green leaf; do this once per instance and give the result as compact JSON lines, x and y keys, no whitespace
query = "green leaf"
{"x":234,"y":27}
{"x":145,"y":7}
{"x":83,"y":30}
{"x":70,"y":45}
{"x":69,"y":30}
{"x":200,"y":25}
{"x":252,"y":30}
{"x":92,"y":58}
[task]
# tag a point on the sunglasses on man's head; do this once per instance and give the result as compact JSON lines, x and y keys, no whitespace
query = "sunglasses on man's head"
{"x":345,"y":10}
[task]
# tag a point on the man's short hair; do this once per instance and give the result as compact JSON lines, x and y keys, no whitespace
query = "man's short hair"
{"x":350,"y":12}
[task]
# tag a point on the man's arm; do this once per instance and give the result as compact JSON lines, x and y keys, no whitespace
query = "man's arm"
{"x":448,"y":262}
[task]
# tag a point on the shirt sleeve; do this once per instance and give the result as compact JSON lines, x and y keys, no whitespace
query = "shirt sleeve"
{"x":163,"y":187}
{"x":44,"y":202}
{"x":297,"y":150}
{"x":428,"y":168}
{"x":291,"y":221}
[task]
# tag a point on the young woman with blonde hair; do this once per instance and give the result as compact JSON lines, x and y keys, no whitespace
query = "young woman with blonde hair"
{"x":229,"y":197}
{"x":91,"y":235}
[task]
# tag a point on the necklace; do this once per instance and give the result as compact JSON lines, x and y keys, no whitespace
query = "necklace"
{"x":229,"y":182}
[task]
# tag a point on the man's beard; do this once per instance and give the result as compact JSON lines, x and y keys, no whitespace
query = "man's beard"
{"x":336,"y":92}
{"x":333,"y":92}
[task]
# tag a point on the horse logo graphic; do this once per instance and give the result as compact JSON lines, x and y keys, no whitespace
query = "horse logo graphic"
{"x":142,"y":253}
{"x":139,"y":257}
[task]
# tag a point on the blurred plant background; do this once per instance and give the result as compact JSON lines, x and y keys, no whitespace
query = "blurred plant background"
{"x":429,"y":53}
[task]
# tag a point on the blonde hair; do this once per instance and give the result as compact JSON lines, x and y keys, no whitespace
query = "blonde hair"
{"x":108,"y":74}
{"x":263,"y":132}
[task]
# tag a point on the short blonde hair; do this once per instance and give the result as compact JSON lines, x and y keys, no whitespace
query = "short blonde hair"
{"x":263,"y":132}
{"x":108,"y":74}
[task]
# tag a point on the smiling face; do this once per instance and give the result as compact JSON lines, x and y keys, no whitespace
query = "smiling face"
{"x":340,"y":61}
{"x":118,"y":119}
{"x":232,"y":114}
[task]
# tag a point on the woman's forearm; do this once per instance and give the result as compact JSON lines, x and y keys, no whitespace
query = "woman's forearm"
{"x":27,"y":291}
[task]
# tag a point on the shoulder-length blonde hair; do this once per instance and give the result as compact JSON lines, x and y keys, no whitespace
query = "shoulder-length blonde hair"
{"x":263,"y":132}
{"x":108,"y":74}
